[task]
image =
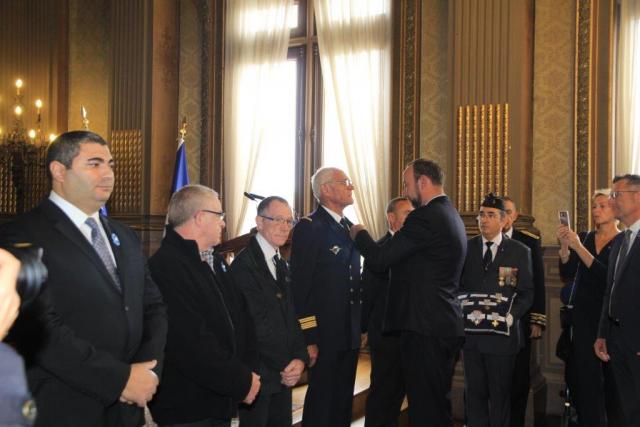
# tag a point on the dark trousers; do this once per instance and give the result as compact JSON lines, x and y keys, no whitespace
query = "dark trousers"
{"x":587,"y":382}
{"x":387,"y":384}
{"x":209,"y":422}
{"x":521,"y":380}
{"x":625,"y":367}
{"x":330,"y":394}
{"x":487,"y":379}
{"x":427,"y":364}
{"x":268,"y":410}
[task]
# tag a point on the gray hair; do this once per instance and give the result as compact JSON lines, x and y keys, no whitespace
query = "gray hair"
{"x":321,"y":177}
{"x":391,"y":206}
{"x":186,"y":202}
{"x":266,"y":202}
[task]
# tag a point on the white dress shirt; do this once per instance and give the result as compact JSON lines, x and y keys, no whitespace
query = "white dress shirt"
{"x":494,"y":248}
{"x":269,"y":252}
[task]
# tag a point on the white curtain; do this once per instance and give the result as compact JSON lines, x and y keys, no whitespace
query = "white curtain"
{"x":354,"y":40}
{"x":627,"y":136}
{"x":256,"y":42}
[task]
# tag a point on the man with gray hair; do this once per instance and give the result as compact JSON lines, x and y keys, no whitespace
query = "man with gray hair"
{"x":209,"y":365}
{"x":325,"y":269}
{"x":264,"y":278}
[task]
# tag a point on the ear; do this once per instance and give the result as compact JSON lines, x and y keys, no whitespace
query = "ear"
{"x":423,"y":182}
{"x":58,"y":171}
{"x":259,"y":222}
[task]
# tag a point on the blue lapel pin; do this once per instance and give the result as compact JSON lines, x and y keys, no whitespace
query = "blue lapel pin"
{"x":114,"y":239}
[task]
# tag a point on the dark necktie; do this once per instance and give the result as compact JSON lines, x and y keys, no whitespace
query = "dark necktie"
{"x":281,"y":269}
{"x":487,"y":258}
{"x":345,"y":223}
{"x":101,"y":248}
{"x":624,"y":250}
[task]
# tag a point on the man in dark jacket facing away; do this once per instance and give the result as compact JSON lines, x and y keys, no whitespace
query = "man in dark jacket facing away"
{"x":208,"y":368}
{"x":264,"y":278}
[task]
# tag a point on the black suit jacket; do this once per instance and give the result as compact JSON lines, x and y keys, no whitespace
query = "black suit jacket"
{"x":325,"y":270}
{"x":537,"y":313}
{"x":425,"y":258}
{"x":625,"y":293}
{"x":280,"y":338}
{"x":211,"y":343}
{"x":375,"y":287}
{"x":81,"y":335}
{"x":511,"y":253}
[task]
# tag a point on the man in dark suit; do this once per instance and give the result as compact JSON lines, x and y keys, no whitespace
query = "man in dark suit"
{"x":618,"y":342}
{"x":95,"y":336}
{"x":425,"y":259}
{"x":325,"y":269}
{"x":386,"y":392}
{"x":210,"y":357}
{"x":533,"y":322}
{"x":494,"y":265}
{"x":264,"y":278}
{"x":16,"y":406}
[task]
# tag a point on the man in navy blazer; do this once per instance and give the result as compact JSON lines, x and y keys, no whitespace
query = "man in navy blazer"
{"x":494,"y":265}
{"x":94,"y":339}
{"x":425,"y":259}
{"x":618,"y":342}
{"x":325,"y":269}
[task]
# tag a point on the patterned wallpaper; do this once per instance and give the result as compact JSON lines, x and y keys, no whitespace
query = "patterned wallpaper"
{"x":434,"y":87}
{"x":190,"y":85}
{"x":553,"y":93}
{"x":89,"y":63}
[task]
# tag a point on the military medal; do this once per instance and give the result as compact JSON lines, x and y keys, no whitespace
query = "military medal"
{"x":335,"y":249}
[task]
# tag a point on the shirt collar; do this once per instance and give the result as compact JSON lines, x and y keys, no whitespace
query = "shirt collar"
{"x":509,"y":233}
{"x":433,"y":198}
{"x":268,"y":250}
{"x":75,"y":214}
{"x":496,"y":240}
{"x":634,"y":228}
{"x":334,"y":215}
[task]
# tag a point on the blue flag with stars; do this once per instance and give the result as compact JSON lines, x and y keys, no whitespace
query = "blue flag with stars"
{"x":180,"y":171}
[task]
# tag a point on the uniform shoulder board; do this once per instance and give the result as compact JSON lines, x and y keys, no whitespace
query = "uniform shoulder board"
{"x":307,"y":218}
{"x":530,"y":234}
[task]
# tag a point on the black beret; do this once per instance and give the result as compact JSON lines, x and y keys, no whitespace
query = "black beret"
{"x":493,"y":201}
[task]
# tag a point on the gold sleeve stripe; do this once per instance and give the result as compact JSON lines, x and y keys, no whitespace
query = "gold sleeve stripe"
{"x":307,"y":319}
{"x":530,"y":234}
{"x":308,"y":325}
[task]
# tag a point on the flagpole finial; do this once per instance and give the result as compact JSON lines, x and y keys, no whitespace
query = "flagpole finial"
{"x":183,"y":128}
{"x":85,"y":119}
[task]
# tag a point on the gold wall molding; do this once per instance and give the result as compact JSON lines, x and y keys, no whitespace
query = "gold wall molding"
{"x":127,"y":149}
{"x":406,"y":76}
{"x":592,"y":108}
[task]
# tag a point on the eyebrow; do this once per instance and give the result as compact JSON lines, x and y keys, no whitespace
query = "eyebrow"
{"x":100,"y":159}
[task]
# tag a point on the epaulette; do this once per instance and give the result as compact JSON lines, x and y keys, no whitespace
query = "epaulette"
{"x":307,"y":218}
{"x":530,"y":234}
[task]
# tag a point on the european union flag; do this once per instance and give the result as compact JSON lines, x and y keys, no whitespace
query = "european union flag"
{"x":180,"y":171}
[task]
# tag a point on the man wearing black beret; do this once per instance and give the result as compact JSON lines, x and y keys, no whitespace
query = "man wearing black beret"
{"x":496,"y":292}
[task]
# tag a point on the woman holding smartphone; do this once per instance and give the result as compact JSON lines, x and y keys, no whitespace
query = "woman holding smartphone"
{"x":584,"y":257}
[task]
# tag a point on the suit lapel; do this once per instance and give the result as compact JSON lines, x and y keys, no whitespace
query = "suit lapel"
{"x":633,"y":251}
{"x":118,"y":253}
{"x":500,"y":253}
{"x":69,"y":231}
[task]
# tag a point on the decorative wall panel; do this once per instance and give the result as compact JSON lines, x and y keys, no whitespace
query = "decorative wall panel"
{"x":436,"y":124}
{"x":126,"y":148}
{"x":553,"y":113}
{"x":89,"y":71}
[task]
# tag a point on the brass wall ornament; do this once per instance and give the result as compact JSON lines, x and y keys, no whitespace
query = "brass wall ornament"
{"x":482,"y":160}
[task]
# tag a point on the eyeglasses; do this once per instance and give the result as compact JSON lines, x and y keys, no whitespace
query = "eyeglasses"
{"x":616,"y":194}
{"x":220,"y":214}
{"x":346,"y":182}
{"x":280,"y":220}
{"x":490,"y":215}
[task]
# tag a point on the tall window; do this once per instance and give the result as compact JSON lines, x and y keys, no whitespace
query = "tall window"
{"x":626,"y":144}
{"x":304,"y":125}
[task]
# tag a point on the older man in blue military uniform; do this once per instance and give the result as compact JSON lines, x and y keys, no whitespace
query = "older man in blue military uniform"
{"x":325,"y":269}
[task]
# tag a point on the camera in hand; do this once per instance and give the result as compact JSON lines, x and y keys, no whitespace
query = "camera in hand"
{"x":33,"y":272}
